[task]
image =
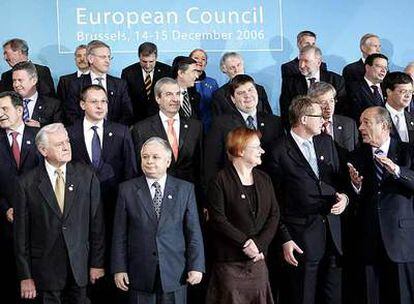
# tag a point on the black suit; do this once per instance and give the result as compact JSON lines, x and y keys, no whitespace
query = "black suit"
{"x":353,"y":72}
{"x":409,"y":121}
{"x":195,"y":99}
{"x":386,"y":216}
{"x":297,"y":85}
{"x":345,"y":132}
{"x":291,"y":68}
{"x":222,"y":103}
{"x":306,"y":201}
{"x":57,"y":248}
{"x":119,"y":104}
{"x":215,"y":153}
{"x":189,"y":164}
{"x":47,"y":110}
{"x":362,"y":97}
{"x":45,"y":85}
{"x":143,"y":105}
{"x":63,"y":85}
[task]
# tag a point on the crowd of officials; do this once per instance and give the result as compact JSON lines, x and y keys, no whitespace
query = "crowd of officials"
{"x":162,"y":187}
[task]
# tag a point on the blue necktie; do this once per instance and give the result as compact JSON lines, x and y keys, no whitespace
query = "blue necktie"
{"x":377,"y":96}
{"x":26,"y":115}
{"x":250,"y":122}
{"x":311,"y":157}
{"x":378,"y":168}
{"x":96,"y":148}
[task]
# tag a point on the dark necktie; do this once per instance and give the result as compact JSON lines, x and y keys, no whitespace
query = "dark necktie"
{"x":326,"y":128}
{"x":377,"y":96}
{"x":147,"y":84}
{"x":99,"y":79}
{"x":378,"y":168}
{"x":186,"y":105}
{"x":15,"y":148}
{"x":312,"y":81}
{"x":96,"y":148}
{"x":157,"y":200}
{"x":250,"y":123}
{"x":26,"y":115}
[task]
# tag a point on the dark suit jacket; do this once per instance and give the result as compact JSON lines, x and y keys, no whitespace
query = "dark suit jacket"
{"x":63,"y":85}
{"x":361,"y":98}
{"x":345,"y":132}
{"x":195,"y":99}
{"x":305,"y":199}
{"x":119,"y":106}
{"x":231,"y":217}
{"x":189,"y":164}
{"x":215,"y":153}
{"x":409,"y":120}
{"x":297,"y":85}
{"x":47,"y":110}
{"x":353,"y":72}
{"x":222,"y":103}
{"x":291,"y":68}
{"x":45,"y":85}
{"x":47,"y":241}
{"x":142,"y":105}
{"x":386,"y":210}
{"x":141,"y":242}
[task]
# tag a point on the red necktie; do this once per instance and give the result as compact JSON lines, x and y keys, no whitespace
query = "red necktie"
{"x":327,"y":127}
{"x":15,"y":148}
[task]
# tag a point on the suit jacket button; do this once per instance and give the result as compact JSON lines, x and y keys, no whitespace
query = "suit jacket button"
{"x":64,"y":227}
{"x":154,"y":253}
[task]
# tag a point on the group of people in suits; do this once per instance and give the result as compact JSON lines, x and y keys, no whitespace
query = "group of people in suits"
{"x":128,"y":190}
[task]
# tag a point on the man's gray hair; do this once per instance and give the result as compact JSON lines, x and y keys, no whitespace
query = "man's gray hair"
{"x":366,"y":37}
{"x":42,"y":137}
{"x":27,"y":66}
{"x":313,"y":48}
{"x":228,"y":55}
{"x":17,"y":44}
{"x":162,"y":142}
{"x":160,"y":83}
{"x":321,"y":88}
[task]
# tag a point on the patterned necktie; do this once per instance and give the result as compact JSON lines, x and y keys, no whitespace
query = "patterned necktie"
{"x":26,"y":115}
{"x":377,"y":96}
{"x":401,"y":132}
{"x":15,"y":148}
{"x":96,"y":148}
{"x":326,"y":128}
{"x":250,"y":123}
{"x":312,"y":81}
{"x":186,"y":105}
{"x":147,"y":84}
{"x":60,"y":189}
{"x":378,"y":167}
{"x":157,"y":200}
{"x":99,"y":79}
{"x":172,"y":137}
{"x":311,"y":157}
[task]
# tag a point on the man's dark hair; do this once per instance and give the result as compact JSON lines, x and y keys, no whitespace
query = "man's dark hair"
{"x":305,"y":34}
{"x":300,"y":106}
{"x":239,"y":80}
{"x":181,"y":63}
{"x":394,"y":78}
{"x":147,"y":48}
{"x":371,"y":58}
{"x":88,"y":88}
{"x":16,"y":99}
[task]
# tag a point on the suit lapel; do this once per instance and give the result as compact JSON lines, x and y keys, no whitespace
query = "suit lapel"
{"x":27,"y":143}
{"x":296,"y":155}
{"x":107,"y":139}
{"x":71,"y":188}
{"x":4,"y":142}
{"x":80,"y":137}
{"x":169,"y":200}
{"x":38,"y":108}
{"x":46,"y":189}
{"x":409,"y":119}
{"x":184,"y":128}
{"x":145,"y":199}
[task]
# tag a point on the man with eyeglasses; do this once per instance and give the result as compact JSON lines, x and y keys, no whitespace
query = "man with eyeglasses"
{"x":398,"y":87}
{"x":368,"y":91}
{"x":304,"y":167}
{"x":119,"y":104}
{"x":107,"y":148}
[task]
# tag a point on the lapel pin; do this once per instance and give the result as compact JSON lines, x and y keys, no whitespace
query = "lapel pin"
{"x":262,"y":124}
{"x":70,"y":188}
{"x":110,"y":134}
{"x":186,"y":126}
{"x":28,"y":142}
{"x":40,"y":107}
{"x":339,"y":127}
{"x":243,"y":196}
{"x":411,"y":123}
{"x":169,"y":196}
{"x":112,"y":93}
{"x":321,"y":158}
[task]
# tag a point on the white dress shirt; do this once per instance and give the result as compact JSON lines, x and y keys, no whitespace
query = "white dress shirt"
{"x":317,"y":77}
{"x":299,"y":141}
{"x":176,"y":125}
{"x":161,"y":181}
{"x":95,"y":80}
{"x":88,"y":134}
{"x":252,"y":114}
{"x":19,"y":137}
{"x":31,"y":105}
{"x":52,"y":174}
{"x":402,"y":125}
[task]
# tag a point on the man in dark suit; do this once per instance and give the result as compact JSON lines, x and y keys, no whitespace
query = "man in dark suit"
{"x":398,"y":88}
{"x":368,"y":91}
{"x":16,"y":50}
{"x":243,"y":94}
{"x":141,"y":78}
{"x":382,"y":174}
{"x":355,"y":71}
{"x":231,"y":64}
{"x":409,"y":69}
{"x":310,"y":58}
{"x":183,"y":134}
{"x":83,"y":68}
{"x":38,"y":110}
{"x":64,"y":246}
{"x":303,"y":39}
{"x":305,"y":168}
{"x":18,"y":154}
{"x":157,"y":243}
{"x":119,"y":105}
{"x":110,"y":153}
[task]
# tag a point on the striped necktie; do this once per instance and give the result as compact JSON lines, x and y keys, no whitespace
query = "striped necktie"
{"x":147,"y":83}
{"x":378,"y":167}
{"x":186,"y":105}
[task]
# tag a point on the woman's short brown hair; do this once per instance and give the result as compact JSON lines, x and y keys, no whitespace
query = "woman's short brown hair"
{"x":237,"y":140}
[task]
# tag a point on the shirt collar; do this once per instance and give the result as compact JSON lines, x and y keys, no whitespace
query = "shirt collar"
{"x":161,"y":181}
{"x":317,"y":76}
{"x":371,"y":84}
{"x":33,"y":97}
{"x":164,"y":117}
{"x":80,"y":73}
{"x":51,"y":169}
{"x":299,"y":140}
{"x":19,"y":129}
{"x":393,"y":111}
{"x":245,"y":115}
{"x":94,"y":76}
{"x":384,"y":147}
{"x":88,"y":125}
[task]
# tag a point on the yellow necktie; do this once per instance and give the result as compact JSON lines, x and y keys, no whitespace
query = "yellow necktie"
{"x":60,"y":189}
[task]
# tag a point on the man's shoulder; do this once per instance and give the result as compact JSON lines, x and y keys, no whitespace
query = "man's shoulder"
{"x":162,"y":66}
{"x":133,"y":68}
